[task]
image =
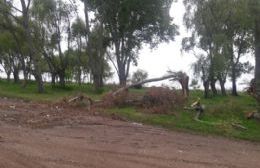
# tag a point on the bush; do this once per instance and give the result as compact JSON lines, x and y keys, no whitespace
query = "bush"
{"x":162,"y":100}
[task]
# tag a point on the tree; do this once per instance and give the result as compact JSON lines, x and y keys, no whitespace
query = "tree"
{"x":97,"y":61}
{"x":5,"y":48}
{"x":201,"y":69}
{"x":130,"y":23}
{"x":10,"y":56}
{"x":138,"y":76}
{"x":183,"y":79}
{"x":220,"y":26}
{"x":7,"y":9}
{"x":78,"y":33}
{"x":53,"y":18}
{"x":31,"y":47}
{"x":194,"y":84}
{"x":222,"y":69}
{"x":255,"y":14}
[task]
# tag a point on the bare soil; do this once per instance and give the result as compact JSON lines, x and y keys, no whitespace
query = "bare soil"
{"x":36,"y":135}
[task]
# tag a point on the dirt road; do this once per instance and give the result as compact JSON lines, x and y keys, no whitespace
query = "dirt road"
{"x":44,"y":136}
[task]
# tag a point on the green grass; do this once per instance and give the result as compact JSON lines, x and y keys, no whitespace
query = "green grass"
{"x":12,"y":90}
{"x":219,"y":114}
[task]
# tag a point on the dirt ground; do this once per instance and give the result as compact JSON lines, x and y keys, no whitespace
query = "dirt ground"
{"x":51,"y":136}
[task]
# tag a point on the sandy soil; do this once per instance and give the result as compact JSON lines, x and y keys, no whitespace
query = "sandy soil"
{"x":48,"y":136}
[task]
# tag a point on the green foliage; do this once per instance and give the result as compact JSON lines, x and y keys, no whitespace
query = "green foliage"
{"x":130,"y":23}
{"x":138,"y":76}
{"x":78,"y":28}
{"x":194,"y":84}
{"x":222,"y":30}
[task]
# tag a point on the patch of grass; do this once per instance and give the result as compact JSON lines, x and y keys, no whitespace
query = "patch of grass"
{"x":56,"y":93}
{"x":220,"y":113}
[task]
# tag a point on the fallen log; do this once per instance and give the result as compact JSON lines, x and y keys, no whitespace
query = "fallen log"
{"x":75,"y":99}
{"x":80,"y":100}
{"x":143,"y":82}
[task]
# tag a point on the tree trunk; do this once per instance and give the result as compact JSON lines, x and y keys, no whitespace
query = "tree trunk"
{"x":98,"y":81}
{"x":79,"y":76}
{"x":206,"y":89}
{"x":122,"y":74}
{"x":16,"y":75}
{"x":62,"y":78}
{"x":143,"y":82}
{"x":25,"y":73}
{"x":39,"y":82}
{"x":86,"y":19}
{"x":25,"y":76}
{"x":8,"y":74}
{"x":184,"y":81}
{"x":257,"y":61}
{"x":213,"y":87}
{"x":32,"y":51}
{"x":53,"y":79}
{"x":222,"y":86}
{"x":122,"y":79}
{"x":233,"y":73}
{"x":234,"y":84}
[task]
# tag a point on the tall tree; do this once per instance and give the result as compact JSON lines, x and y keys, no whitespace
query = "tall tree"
{"x":31,"y":47}
{"x":130,"y":23}
{"x":201,"y":69}
{"x":220,"y":26}
{"x":255,"y":14}
{"x":13,"y":24}
{"x":53,"y":18}
{"x":78,"y":33}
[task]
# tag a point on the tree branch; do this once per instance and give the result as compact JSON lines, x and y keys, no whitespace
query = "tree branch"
{"x":143,"y":82}
{"x":110,"y":58}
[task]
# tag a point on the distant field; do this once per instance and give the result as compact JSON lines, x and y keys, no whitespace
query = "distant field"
{"x":220,"y":114}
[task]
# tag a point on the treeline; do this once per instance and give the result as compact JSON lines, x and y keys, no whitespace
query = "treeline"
{"x":222,"y":33}
{"x":48,"y":36}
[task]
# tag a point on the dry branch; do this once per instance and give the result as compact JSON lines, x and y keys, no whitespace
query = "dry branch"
{"x":238,"y":126}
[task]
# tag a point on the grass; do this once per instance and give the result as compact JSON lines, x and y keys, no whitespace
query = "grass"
{"x":12,"y":90}
{"x":220,"y":113}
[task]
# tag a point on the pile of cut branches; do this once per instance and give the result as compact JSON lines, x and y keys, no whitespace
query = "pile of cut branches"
{"x":162,"y":100}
